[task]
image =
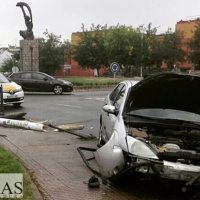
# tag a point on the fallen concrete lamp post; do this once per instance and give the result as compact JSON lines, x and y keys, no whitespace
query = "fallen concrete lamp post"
{"x":22,"y":124}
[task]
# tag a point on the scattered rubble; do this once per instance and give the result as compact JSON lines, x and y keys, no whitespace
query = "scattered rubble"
{"x":15,"y":120}
{"x":72,"y":131}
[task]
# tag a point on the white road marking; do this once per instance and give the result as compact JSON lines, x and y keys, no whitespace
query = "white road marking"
{"x":100,"y":99}
{"x":97,"y":98}
{"x":65,"y":105}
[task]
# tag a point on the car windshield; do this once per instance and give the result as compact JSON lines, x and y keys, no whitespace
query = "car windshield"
{"x":3,"y":79}
{"x":157,"y":113}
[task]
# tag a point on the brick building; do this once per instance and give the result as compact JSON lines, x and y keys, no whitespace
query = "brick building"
{"x":71,"y":67}
{"x":7,"y":53}
{"x":188,"y":26}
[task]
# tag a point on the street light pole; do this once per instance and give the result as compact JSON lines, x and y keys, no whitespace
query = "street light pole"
{"x":142,"y":28}
{"x":13,"y":59}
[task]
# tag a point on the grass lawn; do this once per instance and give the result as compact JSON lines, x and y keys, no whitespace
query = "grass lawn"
{"x":93,"y":81}
{"x":11,"y":164}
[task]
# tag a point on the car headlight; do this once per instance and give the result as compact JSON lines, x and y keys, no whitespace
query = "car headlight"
{"x":67,"y":83}
{"x":19,"y":89}
{"x":139,"y":148}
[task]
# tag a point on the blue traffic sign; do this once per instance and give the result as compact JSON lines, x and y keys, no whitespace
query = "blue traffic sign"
{"x":114,"y":67}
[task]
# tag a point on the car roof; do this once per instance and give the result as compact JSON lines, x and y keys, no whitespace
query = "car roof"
{"x":27,"y":71}
{"x":130,"y":83}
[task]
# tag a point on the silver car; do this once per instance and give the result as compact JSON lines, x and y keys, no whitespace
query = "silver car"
{"x":152,"y":127}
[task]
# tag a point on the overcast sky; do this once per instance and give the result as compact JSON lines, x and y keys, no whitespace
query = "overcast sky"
{"x":63,"y":17}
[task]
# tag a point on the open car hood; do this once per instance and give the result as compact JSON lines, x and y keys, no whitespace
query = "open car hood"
{"x":169,"y":90}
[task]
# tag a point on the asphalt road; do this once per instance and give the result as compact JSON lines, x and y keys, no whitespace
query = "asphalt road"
{"x":83,"y":107}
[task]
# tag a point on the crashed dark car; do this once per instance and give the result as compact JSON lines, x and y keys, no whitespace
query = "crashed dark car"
{"x":152,"y":126}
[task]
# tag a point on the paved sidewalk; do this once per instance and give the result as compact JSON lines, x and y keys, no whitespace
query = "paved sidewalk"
{"x":60,"y":173}
{"x":58,"y":168}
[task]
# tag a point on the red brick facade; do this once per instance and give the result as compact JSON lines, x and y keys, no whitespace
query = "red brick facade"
{"x":188,"y":27}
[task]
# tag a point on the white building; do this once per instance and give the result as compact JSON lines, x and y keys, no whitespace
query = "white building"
{"x":7,"y":52}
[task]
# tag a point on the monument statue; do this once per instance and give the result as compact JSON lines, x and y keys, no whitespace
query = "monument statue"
{"x":28,"y":33}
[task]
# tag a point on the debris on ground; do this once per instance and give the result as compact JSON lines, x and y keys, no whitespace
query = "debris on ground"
{"x":93,"y":182}
{"x":15,"y":115}
{"x":72,"y":131}
{"x":39,"y":125}
{"x":71,"y":126}
{"x":21,"y":124}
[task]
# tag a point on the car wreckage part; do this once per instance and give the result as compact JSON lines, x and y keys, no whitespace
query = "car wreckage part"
{"x":80,"y":150}
{"x":100,"y":140}
{"x":135,"y":168}
{"x":22,"y":124}
{"x":116,"y":162}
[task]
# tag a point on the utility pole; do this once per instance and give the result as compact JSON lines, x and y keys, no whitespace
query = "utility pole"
{"x":141,"y":27}
{"x":1,"y":105}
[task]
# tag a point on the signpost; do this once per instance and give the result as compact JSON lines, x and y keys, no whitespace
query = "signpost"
{"x":114,"y":67}
{"x":1,"y":105}
{"x":15,"y":69}
{"x":65,"y":68}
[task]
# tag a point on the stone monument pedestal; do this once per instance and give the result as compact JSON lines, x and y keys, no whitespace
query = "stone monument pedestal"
{"x":29,"y":55}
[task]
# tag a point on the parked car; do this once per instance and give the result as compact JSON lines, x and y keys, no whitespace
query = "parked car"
{"x":152,"y":127}
{"x":195,"y":72}
{"x":41,"y":82}
{"x":12,"y":92}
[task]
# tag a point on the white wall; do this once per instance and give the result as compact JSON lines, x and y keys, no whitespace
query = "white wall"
{"x":5,"y":55}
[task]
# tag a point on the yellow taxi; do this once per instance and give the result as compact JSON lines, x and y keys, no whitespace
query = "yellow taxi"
{"x":12,"y":93}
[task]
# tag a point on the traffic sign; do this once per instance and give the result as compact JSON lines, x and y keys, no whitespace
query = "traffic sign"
{"x":15,"y":69}
{"x":67,"y":66}
{"x":114,"y":67}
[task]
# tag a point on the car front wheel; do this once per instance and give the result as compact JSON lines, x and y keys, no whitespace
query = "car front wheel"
{"x":58,"y":89}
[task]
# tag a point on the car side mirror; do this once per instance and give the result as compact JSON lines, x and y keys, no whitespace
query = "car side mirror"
{"x":110,"y":109}
{"x":45,"y":79}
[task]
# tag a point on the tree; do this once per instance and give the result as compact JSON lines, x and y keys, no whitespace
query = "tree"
{"x":117,"y":44}
{"x":17,"y":56}
{"x":100,"y":46}
{"x":171,"y":48}
{"x":90,"y":50}
{"x":151,"y":48}
{"x":194,"y":45}
{"x":9,"y":63}
{"x":51,"y":51}
{"x":133,"y":47}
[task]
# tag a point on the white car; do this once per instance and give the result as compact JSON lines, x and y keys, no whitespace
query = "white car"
{"x":152,"y":127}
{"x":12,"y":92}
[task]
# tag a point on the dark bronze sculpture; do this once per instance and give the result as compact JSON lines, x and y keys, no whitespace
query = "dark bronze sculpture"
{"x":26,"y":34}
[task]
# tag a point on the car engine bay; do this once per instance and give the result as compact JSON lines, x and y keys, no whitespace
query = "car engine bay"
{"x":172,"y":145}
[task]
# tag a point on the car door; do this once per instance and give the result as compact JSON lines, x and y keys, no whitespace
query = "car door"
{"x":115,"y":99}
{"x":41,"y":82}
{"x":24,"y":79}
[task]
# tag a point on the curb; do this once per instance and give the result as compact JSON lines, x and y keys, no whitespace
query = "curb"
{"x":85,"y":88}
